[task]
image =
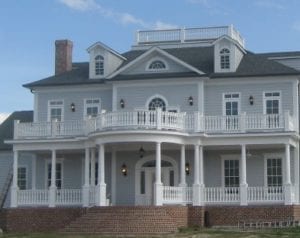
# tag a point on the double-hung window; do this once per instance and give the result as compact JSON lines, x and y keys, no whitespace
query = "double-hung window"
{"x":55,"y":110}
{"x":92,"y":107}
{"x":225,"y":58}
{"x":274,"y":172}
{"x":22,"y":178}
{"x":231,"y":173}
{"x":99,"y":65}
{"x":58,"y":181}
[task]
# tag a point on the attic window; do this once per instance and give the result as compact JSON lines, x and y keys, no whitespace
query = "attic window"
{"x":99,"y":65}
{"x":157,"y":65}
{"x":225,"y":58}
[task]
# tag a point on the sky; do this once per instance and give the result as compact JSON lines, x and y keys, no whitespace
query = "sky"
{"x":28,"y":29}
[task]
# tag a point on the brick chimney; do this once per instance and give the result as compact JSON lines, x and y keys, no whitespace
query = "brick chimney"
{"x":63,"y":56}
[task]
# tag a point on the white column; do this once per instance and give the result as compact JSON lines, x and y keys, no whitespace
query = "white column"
{"x":113,"y":176}
{"x":52,"y":189}
{"x":243,"y":182}
{"x":14,"y":187}
{"x":93,"y":155}
{"x":33,"y":178}
{"x":296,"y":172}
{"x":158,"y":184}
{"x":86,"y":186}
{"x":101,"y":177}
{"x":288,"y":183}
{"x":201,"y":166}
{"x":196,"y":186}
{"x":182,"y":167}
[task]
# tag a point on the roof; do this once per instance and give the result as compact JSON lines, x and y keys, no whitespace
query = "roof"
{"x":281,"y":54}
{"x":201,"y":58}
{"x":6,"y":128}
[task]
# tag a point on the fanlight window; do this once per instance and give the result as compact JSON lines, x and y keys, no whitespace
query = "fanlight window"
{"x":157,"y":65}
{"x":225,"y":58}
{"x":99,"y":65}
{"x":157,"y":103}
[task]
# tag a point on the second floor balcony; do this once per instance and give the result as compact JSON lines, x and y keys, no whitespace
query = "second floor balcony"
{"x":157,"y":120}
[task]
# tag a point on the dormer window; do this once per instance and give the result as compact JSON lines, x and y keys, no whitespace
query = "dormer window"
{"x":99,"y":65}
{"x":225,"y":58}
{"x":157,"y":65}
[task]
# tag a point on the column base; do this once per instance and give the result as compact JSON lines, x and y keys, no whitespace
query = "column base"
{"x":86,"y":195}
{"x":198,"y":194}
{"x":14,"y":197}
{"x":101,"y":195}
{"x":158,"y":194}
{"x":288,"y":194}
{"x":244,"y":194}
{"x":52,"y":196}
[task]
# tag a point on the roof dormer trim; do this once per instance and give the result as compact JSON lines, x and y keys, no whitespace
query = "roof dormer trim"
{"x":231,"y":40}
{"x":160,"y":51}
{"x":105,"y":47}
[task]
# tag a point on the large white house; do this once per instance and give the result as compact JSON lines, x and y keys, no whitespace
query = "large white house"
{"x":185,"y":117}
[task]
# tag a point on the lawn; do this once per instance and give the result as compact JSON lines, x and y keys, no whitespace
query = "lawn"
{"x":187,"y":233}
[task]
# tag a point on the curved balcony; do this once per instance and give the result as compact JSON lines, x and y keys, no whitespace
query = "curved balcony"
{"x":156,"y":120}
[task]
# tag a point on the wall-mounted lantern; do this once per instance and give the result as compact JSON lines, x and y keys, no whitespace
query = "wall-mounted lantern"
{"x":191,"y":101}
{"x":124,"y":170}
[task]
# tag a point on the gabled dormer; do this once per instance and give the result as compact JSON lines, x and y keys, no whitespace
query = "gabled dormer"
{"x":228,"y":54}
{"x":103,"y":60}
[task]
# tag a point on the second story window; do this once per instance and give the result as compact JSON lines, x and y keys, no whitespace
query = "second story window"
{"x":92,"y":107}
{"x":272,"y":102}
{"x":231,"y":104}
{"x":99,"y":65}
{"x":55,"y":110}
{"x":225,"y":58}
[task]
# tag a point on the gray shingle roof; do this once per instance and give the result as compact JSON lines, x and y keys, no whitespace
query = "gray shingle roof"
{"x":201,"y":58}
{"x":6,"y":128}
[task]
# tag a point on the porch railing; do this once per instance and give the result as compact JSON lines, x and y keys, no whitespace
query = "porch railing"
{"x":177,"y":195}
{"x":221,"y":195}
{"x":33,"y":197}
{"x":265,"y":194}
{"x":157,"y":120}
{"x":68,"y":197}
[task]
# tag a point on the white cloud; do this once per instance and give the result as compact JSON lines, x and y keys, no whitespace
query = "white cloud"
{"x":120,"y":17}
{"x":271,"y":4}
{"x":3,"y":116}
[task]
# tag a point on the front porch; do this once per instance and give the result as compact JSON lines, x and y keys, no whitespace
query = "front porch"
{"x":175,"y":175}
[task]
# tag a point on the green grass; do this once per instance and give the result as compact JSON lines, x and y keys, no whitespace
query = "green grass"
{"x":187,"y":233}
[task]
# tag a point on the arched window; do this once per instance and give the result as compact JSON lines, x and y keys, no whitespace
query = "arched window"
{"x":99,"y":65}
{"x":157,"y":103}
{"x":157,"y":65}
{"x":225,"y":58}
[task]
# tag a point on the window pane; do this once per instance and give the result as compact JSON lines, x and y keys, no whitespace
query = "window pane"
{"x":143,"y":182}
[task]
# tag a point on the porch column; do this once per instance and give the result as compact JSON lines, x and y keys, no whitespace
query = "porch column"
{"x":158,"y":186}
{"x":296,"y":172}
{"x":93,"y":155}
{"x":243,"y":182}
{"x":101,"y":177}
{"x":52,"y":189}
{"x":14,"y":187}
{"x":113,"y":176}
{"x":182,"y":167}
{"x":288,"y":183}
{"x":86,"y":186}
{"x":197,"y":201}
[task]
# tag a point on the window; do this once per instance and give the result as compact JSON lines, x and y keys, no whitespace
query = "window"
{"x":272,"y":102}
{"x":96,"y":173}
{"x":92,"y":107}
{"x":58,"y":175}
{"x":157,"y":103}
{"x":225,"y":58}
{"x":55,"y":110}
{"x":231,"y":110}
{"x":231,"y":173}
{"x":99,"y":65}
{"x":274,"y":172}
{"x":22,"y":178}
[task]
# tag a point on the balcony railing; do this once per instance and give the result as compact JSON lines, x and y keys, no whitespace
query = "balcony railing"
{"x":156,"y":120}
{"x":187,"y":35}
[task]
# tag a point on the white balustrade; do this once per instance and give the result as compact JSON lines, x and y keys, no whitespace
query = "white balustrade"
{"x":179,"y":121}
{"x":177,"y":195}
{"x":265,"y":194}
{"x":222,"y":195}
{"x":68,"y":197}
{"x":33,"y":197}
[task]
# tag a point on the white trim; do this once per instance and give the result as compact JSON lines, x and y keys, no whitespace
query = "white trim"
{"x":153,"y":49}
{"x":58,"y":161}
{"x":105,"y":47}
{"x":62,"y":107}
{"x":114,"y":97}
{"x":273,"y":156}
{"x":272,"y":98}
{"x":98,"y":105}
{"x":228,"y":157}
{"x":26,"y":175}
{"x":296,"y":104}
{"x":36,"y":106}
{"x":156,"y":70}
{"x":224,"y":100}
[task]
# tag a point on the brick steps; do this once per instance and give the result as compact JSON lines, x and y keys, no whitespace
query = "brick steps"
{"x":123,"y":220}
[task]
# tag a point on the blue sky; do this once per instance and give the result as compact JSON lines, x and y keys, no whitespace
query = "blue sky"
{"x":28,"y":29}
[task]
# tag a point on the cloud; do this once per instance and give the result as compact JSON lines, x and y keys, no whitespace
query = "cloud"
{"x":277,"y":5}
{"x":3,"y":116}
{"x":123,"y":18}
